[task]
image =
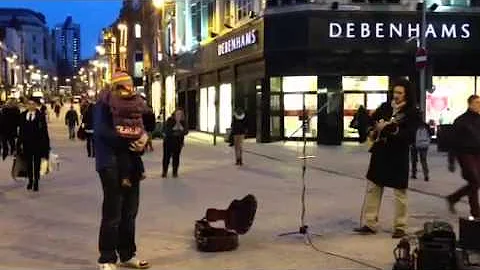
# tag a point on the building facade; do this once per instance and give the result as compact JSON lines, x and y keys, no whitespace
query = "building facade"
{"x":67,"y":40}
{"x":273,"y":58}
{"x":28,"y":64}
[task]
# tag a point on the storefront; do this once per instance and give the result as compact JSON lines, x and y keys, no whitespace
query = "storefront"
{"x":336,"y":61}
{"x":224,"y":74}
{"x":330,"y":62}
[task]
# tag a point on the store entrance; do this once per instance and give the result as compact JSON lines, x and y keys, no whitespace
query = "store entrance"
{"x":294,"y":114}
{"x":352,"y":101}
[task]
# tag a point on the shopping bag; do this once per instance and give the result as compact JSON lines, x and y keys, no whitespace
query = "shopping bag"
{"x":44,"y":166}
{"x":19,"y":168}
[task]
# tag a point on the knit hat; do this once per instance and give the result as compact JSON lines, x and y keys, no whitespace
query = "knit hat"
{"x":124,"y":80}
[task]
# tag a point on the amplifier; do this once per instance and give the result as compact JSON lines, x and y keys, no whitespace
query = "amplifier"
{"x":469,"y":233}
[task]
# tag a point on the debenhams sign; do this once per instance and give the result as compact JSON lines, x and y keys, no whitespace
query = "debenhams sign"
{"x":238,"y":42}
{"x":397,"y":30}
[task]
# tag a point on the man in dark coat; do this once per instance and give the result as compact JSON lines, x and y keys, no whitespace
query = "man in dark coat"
{"x":87,"y":123}
{"x":33,"y":142}
{"x":10,"y":121}
{"x":395,"y":125}
{"x":465,"y":146}
{"x":120,"y":205}
{"x":71,"y":121}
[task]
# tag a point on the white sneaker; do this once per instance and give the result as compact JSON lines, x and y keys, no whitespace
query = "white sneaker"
{"x":107,"y":266}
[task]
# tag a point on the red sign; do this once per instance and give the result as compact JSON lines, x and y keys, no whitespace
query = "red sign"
{"x":421,"y":58}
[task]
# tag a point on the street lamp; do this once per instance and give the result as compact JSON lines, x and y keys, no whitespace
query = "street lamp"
{"x":55,"y":78}
{"x":100,"y":49}
{"x":31,"y":67}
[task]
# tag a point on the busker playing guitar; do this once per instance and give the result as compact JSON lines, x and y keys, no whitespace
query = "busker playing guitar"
{"x":393,"y":133}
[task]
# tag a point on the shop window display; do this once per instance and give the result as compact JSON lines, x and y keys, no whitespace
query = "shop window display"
{"x":298,"y":89}
{"x":449,"y":99}
{"x":225,"y":107}
{"x":367,"y":91}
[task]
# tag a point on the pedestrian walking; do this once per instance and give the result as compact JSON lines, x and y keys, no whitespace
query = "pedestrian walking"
{"x":420,"y":148}
{"x":395,"y":125}
{"x":57,"y":109}
{"x":120,"y":205}
{"x":238,"y":131}
{"x":33,"y":142}
{"x":10,"y":115}
{"x":71,"y":121}
{"x":87,"y":124}
{"x":149,"y":123}
{"x":174,"y":136}
{"x":465,"y":146}
{"x":127,"y":109}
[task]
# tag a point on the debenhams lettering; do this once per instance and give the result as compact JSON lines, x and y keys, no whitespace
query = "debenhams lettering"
{"x":237,"y":43}
{"x":398,"y":30}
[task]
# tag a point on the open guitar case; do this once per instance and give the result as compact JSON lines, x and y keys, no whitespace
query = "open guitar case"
{"x":238,"y":219}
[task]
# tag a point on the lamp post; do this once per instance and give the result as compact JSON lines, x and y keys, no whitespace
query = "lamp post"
{"x":423,"y":46}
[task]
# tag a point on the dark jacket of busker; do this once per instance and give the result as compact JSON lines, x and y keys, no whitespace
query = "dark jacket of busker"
{"x":174,"y":138}
{"x":389,"y":162}
{"x":465,"y":137}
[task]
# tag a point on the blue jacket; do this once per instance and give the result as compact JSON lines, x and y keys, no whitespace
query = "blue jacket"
{"x":105,"y":137}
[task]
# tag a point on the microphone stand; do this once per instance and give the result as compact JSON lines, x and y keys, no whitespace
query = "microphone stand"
{"x":304,"y":228}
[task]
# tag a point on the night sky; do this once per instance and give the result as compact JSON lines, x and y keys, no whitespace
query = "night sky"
{"x":92,"y":15}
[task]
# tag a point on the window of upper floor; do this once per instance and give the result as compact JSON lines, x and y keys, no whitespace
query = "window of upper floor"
{"x":243,"y":9}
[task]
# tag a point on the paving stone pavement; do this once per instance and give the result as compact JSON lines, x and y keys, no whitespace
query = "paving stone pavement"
{"x":57,"y":228}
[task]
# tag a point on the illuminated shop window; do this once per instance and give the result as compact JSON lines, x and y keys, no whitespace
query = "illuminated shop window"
{"x":365,"y":83}
{"x":225,"y":107}
{"x":138,"y":30}
{"x":211,"y":109}
{"x":203,"y":109}
{"x":449,"y":100}
{"x":295,"y":89}
{"x":299,"y":84}
{"x":170,"y":95}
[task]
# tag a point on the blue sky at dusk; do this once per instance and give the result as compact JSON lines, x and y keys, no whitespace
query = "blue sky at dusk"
{"x":92,"y":15}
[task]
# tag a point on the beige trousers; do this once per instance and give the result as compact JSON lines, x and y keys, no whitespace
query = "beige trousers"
{"x":371,"y":207}
{"x":238,"y":142}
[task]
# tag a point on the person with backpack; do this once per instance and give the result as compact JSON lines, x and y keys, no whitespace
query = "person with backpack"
{"x":420,"y":148}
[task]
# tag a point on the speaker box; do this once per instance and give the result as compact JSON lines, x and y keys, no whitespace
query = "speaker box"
{"x":469,"y":230}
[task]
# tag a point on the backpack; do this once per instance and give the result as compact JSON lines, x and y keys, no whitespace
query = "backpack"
{"x":422,"y":138}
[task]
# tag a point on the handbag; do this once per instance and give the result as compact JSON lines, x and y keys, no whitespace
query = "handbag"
{"x":238,"y":218}
{"x":81,"y":134}
{"x":19,"y":168}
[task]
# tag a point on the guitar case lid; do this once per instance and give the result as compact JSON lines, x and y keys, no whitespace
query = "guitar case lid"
{"x":238,"y":216}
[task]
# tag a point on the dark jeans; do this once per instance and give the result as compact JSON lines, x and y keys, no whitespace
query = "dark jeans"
{"x":423,"y":152}
{"x":90,"y":147}
{"x":470,"y":165}
{"x":119,"y":212}
{"x":8,"y":145}
{"x":71,"y":132}
{"x":171,"y":151}
{"x":33,"y":169}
